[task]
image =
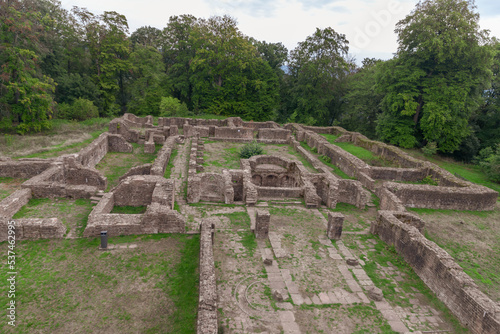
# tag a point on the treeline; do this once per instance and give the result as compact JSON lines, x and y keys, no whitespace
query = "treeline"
{"x":438,"y":92}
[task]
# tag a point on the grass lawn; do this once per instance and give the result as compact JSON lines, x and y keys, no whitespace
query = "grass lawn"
{"x":8,"y":185}
{"x":65,"y":137}
{"x":472,"y":239}
{"x":365,"y":155}
{"x":116,"y":164}
{"x":336,"y":170}
{"x":330,"y":137}
{"x":69,"y":286}
{"x":73,"y":213}
{"x":469,"y":172}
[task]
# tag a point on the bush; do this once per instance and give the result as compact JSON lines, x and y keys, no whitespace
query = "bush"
{"x":489,"y":160}
{"x":80,"y":110}
{"x":430,"y":149}
{"x":250,"y":150}
{"x":170,"y":106}
{"x":429,"y":180}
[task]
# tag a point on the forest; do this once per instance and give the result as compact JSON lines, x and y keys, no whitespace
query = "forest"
{"x":440,"y":91}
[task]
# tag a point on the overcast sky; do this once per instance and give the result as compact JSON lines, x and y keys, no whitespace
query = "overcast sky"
{"x":368,"y":24}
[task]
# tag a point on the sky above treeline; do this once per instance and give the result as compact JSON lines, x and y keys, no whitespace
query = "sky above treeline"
{"x":367,"y":24}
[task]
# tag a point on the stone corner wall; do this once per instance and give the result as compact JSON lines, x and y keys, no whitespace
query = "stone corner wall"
{"x":207,"y":306}
{"x":440,"y":273}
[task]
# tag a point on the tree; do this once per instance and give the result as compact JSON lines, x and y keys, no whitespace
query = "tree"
{"x":178,"y":53}
{"x":148,"y":81}
{"x":436,"y":78}
{"x":106,"y":37}
{"x":26,"y":94}
{"x":228,"y":75}
{"x":318,"y":70}
{"x":362,"y":101}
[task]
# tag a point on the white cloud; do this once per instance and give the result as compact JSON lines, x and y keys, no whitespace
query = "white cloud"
{"x":368,"y":24}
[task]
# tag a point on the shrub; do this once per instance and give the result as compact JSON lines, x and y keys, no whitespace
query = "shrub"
{"x":430,"y":149}
{"x":251,"y":149}
{"x":429,"y":180}
{"x":80,"y":110}
{"x":489,"y":160}
{"x":325,"y":159}
{"x":170,"y":106}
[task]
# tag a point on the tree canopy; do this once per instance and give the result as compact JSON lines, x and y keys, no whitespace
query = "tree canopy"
{"x":440,"y":90}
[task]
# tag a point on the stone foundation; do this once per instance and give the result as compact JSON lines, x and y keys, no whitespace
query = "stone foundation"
{"x":335,"y":225}
{"x":440,"y":272}
{"x":207,"y":305}
{"x":262,"y":220}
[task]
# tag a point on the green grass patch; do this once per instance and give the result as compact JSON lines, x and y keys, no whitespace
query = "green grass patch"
{"x":70,"y":212}
{"x":131,"y":210}
{"x":483,"y":214}
{"x":369,"y":312}
{"x":56,"y":150}
{"x":384,"y":253}
{"x":8,"y":185}
{"x":116,"y":164}
{"x":327,"y":161}
{"x":248,"y":241}
{"x":365,"y":155}
{"x":170,"y":165}
{"x":183,"y":288}
{"x":68,"y":286}
{"x":330,"y":137}
{"x":238,"y":220}
{"x":470,"y":172}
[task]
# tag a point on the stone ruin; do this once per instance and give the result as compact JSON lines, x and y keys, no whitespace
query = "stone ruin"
{"x":263,"y":178}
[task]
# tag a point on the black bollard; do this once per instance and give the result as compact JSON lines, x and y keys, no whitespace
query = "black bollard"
{"x":104,"y":239}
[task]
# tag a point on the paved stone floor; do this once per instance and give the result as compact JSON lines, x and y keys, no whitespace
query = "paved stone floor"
{"x":320,"y":292}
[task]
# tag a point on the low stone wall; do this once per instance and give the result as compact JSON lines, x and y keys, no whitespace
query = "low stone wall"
{"x":196,"y":131}
{"x":261,"y":125}
{"x":122,"y":127}
{"x":440,"y":273}
{"x":157,"y":193}
{"x":452,"y":193}
{"x":90,"y":155}
{"x":163,"y":157}
{"x":136,"y":190}
{"x":274,"y":193}
{"x":34,"y":229}
{"x":138,"y":170}
{"x":274,"y":134}
{"x":245,"y":133}
{"x":474,"y":198}
{"x":207,"y":303}
{"x":23,"y":168}
{"x":13,"y":203}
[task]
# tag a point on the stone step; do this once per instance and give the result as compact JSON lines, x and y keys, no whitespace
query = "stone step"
{"x":95,"y":199}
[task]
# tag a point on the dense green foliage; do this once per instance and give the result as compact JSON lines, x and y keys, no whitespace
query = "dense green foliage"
{"x":439,"y":92}
{"x":251,"y":149}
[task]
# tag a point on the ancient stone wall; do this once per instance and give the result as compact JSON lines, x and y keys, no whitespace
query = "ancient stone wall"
{"x":23,"y":168}
{"x":261,"y":125}
{"x":273,"y":134}
{"x":136,"y":190}
{"x":474,"y":198}
{"x":440,"y":273}
{"x":34,"y":229}
{"x":207,"y":304}
{"x":13,"y":203}
{"x":452,"y":192}
{"x":245,"y":133}
{"x":90,"y":155}
{"x":163,"y":157}
{"x":138,"y":170}
{"x":278,"y":193}
{"x":157,"y":193}
{"x":122,"y":127}
{"x":262,"y":219}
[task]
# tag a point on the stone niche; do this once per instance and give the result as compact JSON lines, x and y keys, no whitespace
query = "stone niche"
{"x":272,"y":171}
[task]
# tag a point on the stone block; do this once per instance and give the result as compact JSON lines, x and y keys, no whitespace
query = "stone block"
{"x":335,"y":224}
